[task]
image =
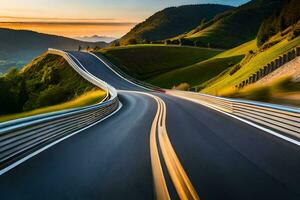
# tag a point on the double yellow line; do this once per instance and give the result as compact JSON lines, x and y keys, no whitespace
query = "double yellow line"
{"x":181,"y":182}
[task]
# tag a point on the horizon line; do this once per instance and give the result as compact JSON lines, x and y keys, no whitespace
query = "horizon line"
{"x":68,"y":23}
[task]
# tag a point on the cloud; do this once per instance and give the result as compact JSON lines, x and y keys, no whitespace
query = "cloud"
{"x":72,"y":23}
{"x":63,"y":21}
{"x":54,"y":19}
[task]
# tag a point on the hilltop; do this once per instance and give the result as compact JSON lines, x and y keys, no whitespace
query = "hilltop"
{"x":18,"y":47}
{"x":172,"y":21}
{"x":234,"y":27}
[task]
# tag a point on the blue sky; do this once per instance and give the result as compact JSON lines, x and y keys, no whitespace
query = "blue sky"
{"x":111,"y":17}
{"x":121,"y":10}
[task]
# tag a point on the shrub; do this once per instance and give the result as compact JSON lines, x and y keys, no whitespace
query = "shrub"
{"x":53,"y":95}
{"x":235,"y":69}
{"x":176,"y":42}
{"x":131,"y":41}
{"x":182,"y":86}
{"x":186,"y":42}
{"x":167,"y":42}
{"x":50,"y":76}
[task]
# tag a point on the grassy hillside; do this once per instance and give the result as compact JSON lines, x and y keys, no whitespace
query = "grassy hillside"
{"x":202,"y":71}
{"x":88,"y":98}
{"x":195,"y":74}
{"x":46,"y":81}
{"x":173,"y":21}
{"x":18,"y":47}
{"x":280,"y":91}
{"x":251,"y":63}
{"x":234,"y":27}
{"x":146,"y":61}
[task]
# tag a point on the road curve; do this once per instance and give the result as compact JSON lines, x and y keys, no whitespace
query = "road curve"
{"x":158,"y":147}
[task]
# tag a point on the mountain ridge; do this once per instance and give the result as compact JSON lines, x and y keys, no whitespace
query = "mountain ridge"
{"x":233,"y":27}
{"x":18,"y":47}
{"x":172,"y":21}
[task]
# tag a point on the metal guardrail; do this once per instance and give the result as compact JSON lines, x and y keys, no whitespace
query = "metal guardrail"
{"x":276,"y":117}
{"x":20,"y":137}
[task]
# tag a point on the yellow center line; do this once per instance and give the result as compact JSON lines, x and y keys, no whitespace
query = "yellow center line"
{"x":179,"y":177}
{"x":181,"y":182}
{"x":160,"y":185}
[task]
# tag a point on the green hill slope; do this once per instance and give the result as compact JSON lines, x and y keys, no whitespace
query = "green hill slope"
{"x":234,"y":27}
{"x":46,"y":81}
{"x":200,"y":72}
{"x":173,"y":21}
{"x":18,"y":47}
{"x":250,"y":65}
{"x":146,"y":61}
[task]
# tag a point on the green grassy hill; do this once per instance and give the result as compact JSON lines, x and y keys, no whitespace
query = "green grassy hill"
{"x":147,"y":61}
{"x":195,"y":74}
{"x":199,"y":73}
{"x":46,"y":81}
{"x":18,"y":47}
{"x":173,"y":21}
{"x":234,"y":27}
{"x":251,"y":63}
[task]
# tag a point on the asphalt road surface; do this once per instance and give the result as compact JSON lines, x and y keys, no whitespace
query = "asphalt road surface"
{"x":158,"y":146}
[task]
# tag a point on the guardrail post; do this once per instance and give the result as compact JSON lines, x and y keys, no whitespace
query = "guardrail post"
{"x":285,"y":58}
{"x":269,"y":68}
{"x":298,"y":51}
{"x":261,"y":72}
{"x":254,"y":78}
{"x":257,"y":75}
{"x":290,"y":56}
{"x":277,"y":65}
{"x":265,"y":70}
{"x":243,"y":83}
{"x":272,"y":66}
{"x":250,"y":80}
{"x":293,"y":52}
{"x":280,"y":61}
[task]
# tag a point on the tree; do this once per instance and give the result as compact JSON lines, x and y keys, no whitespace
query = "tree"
{"x":167,"y":42}
{"x":131,"y":41}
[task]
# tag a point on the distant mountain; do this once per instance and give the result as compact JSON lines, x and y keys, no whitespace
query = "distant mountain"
{"x":18,"y":47}
{"x":173,"y":21}
{"x":235,"y":26}
{"x":96,"y":38}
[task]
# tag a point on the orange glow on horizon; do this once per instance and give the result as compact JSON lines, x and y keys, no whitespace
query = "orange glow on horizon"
{"x":73,"y":30}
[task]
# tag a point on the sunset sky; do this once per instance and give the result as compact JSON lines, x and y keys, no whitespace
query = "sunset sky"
{"x":73,"y":18}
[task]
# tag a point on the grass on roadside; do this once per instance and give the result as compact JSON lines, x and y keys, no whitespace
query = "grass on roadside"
{"x":89,"y":98}
{"x":252,"y":66}
{"x":278,"y":91}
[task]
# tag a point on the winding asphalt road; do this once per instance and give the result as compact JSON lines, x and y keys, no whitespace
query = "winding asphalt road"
{"x":158,"y":147}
